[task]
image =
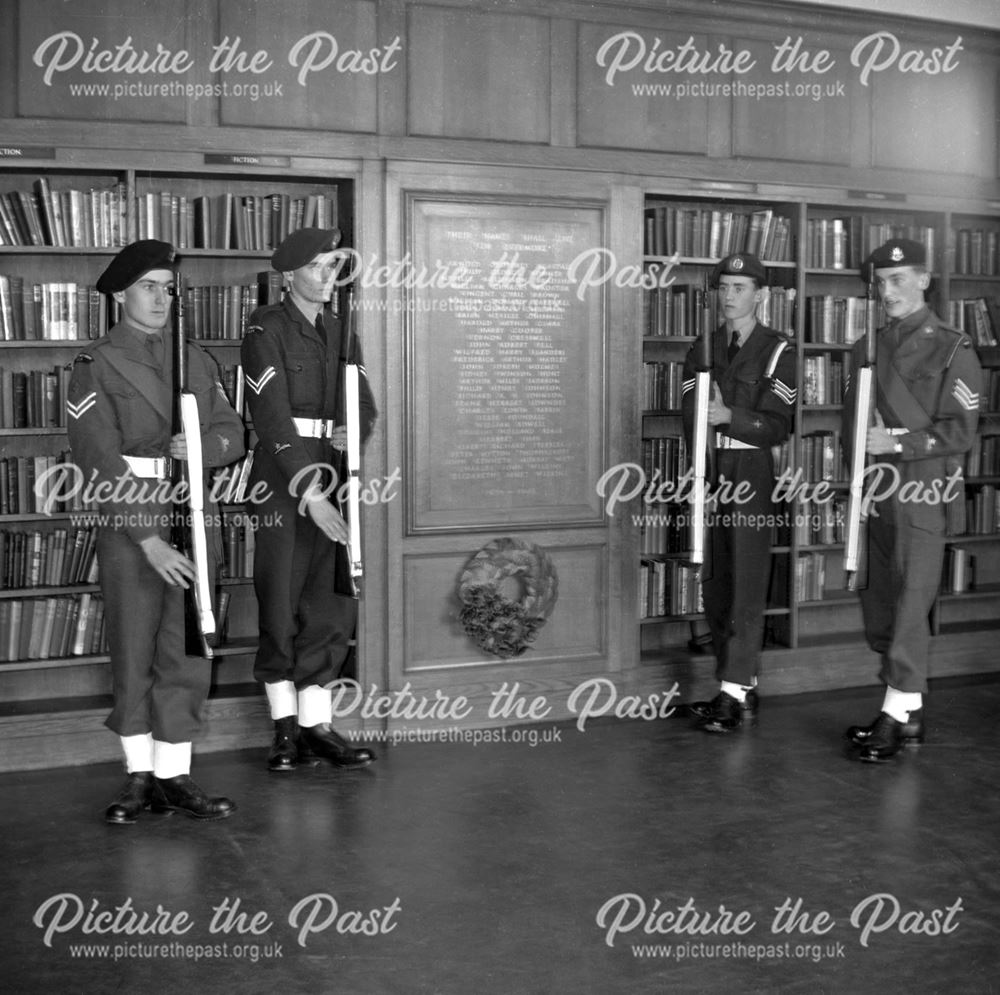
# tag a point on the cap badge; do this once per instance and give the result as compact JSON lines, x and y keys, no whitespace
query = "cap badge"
{"x":897,"y":254}
{"x":736,"y":264}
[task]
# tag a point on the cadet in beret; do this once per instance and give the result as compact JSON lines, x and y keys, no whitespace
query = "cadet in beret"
{"x":751,"y":410}
{"x":293,"y":357}
{"x":119,"y":420}
{"x":927,"y":407}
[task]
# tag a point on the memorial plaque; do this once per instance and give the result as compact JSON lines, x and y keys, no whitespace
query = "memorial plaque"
{"x":504,"y":365}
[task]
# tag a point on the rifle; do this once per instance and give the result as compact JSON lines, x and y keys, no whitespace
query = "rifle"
{"x":352,"y":462}
{"x":701,"y":436}
{"x":189,"y":536}
{"x":864,"y":405}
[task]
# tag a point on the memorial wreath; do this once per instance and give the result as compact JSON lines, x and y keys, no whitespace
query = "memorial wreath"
{"x":508,"y":590}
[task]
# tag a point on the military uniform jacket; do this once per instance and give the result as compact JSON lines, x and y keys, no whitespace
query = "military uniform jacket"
{"x":119,"y":404}
{"x":758,"y":386}
{"x":291,"y":373}
{"x":928,"y":382}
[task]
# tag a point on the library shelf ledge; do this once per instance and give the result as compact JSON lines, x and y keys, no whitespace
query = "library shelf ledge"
{"x":47,"y":592}
{"x":54,"y":663}
{"x":45,"y":344}
{"x":59,"y":250}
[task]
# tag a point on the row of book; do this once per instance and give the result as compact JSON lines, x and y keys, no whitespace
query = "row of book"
{"x":29,"y":485}
{"x":821,"y":456}
{"x":33,"y":398}
{"x":661,"y":386}
{"x":838,"y":319}
{"x":66,"y":625}
{"x":958,"y":575}
{"x":239,"y":547}
{"x":983,"y":460}
{"x":252,"y":223}
{"x":820,"y":523}
{"x":93,"y":218}
{"x":687,"y":310}
{"x":810,"y":577}
{"x":713,"y":233}
{"x":52,"y":311}
{"x":48,"y":559}
{"x":824,"y":378}
{"x":664,"y":458}
{"x":669,"y":587}
{"x":845,"y":243}
{"x":978,"y":317}
{"x":976,"y":252}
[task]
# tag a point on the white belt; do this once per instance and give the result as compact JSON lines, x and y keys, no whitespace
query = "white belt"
{"x":726,"y":442}
{"x":156,"y":467}
{"x":897,"y":431}
{"x":315,"y":428}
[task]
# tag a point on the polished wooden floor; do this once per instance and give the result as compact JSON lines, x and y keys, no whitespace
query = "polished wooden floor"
{"x":631,"y":857}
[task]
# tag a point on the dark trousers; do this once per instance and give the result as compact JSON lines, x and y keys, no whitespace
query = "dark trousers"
{"x":735,"y":592}
{"x":304,"y":623}
{"x":156,"y":687}
{"x":904,"y":574}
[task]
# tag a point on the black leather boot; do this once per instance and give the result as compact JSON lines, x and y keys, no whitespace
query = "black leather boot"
{"x":284,"y":753}
{"x":321,"y":742}
{"x":911,"y":731}
{"x":748,"y":708}
{"x":181,"y":794}
{"x":885,"y":740}
{"x":134,"y":797}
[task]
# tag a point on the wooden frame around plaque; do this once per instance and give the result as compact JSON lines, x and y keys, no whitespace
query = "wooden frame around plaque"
{"x":506,"y":396}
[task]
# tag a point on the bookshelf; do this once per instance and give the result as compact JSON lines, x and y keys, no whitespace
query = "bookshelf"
{"x":59,"y":227}
{"x":814,"y":280}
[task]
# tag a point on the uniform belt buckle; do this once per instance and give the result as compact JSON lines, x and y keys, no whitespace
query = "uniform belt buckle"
{"x":325,"y":428}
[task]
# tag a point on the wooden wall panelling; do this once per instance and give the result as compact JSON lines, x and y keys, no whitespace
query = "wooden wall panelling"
{"x":613,"y":115}
{"x":322,"y":84}
{"x":478,"y":75}
{"x":61,"y":34}
{"x":944,"y":123}
{"x":811,"y":122}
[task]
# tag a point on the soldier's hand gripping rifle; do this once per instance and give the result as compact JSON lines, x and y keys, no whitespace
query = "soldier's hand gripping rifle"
{"x":189,"y":523}
{"x":702,"y":437}
{"x":352,"y":461}
{"x":864,"y":405}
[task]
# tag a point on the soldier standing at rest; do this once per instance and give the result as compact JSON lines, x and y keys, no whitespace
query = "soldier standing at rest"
{"x":927,"y":407}
{"x":751,"y":410}
{"x":120,"y":416}
{"x":293,"y":357}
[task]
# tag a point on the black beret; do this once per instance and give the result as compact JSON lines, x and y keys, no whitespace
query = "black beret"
{"x":132,"y":262}
{"x":739,"y":264}
{"x":303,"y":246}
{"x":895,"y":252}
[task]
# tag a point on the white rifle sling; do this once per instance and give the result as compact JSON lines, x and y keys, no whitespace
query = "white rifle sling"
{"x":865,"y":381}
{"x":352,"y":399}
{"x":699,"y":447}
{"x":191,"y":427}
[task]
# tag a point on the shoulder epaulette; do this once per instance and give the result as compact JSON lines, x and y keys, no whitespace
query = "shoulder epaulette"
{"x":83,"y":357}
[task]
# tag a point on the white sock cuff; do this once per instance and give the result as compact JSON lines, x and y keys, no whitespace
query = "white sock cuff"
{"x":171,"y":759}
{"x":138,"y":752}
{"x":282,"y":699}
{"x":315,"y":705}
{"x":737,"y":691}
{"x":899,"y":704}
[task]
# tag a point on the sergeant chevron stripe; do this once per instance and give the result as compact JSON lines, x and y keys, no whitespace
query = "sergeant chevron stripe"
{"x":687,"y":385}
{"x":262,"y":381}
{"x":82,"y":406}
{"x":786,"y":393}
{"x":968,"y":398}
